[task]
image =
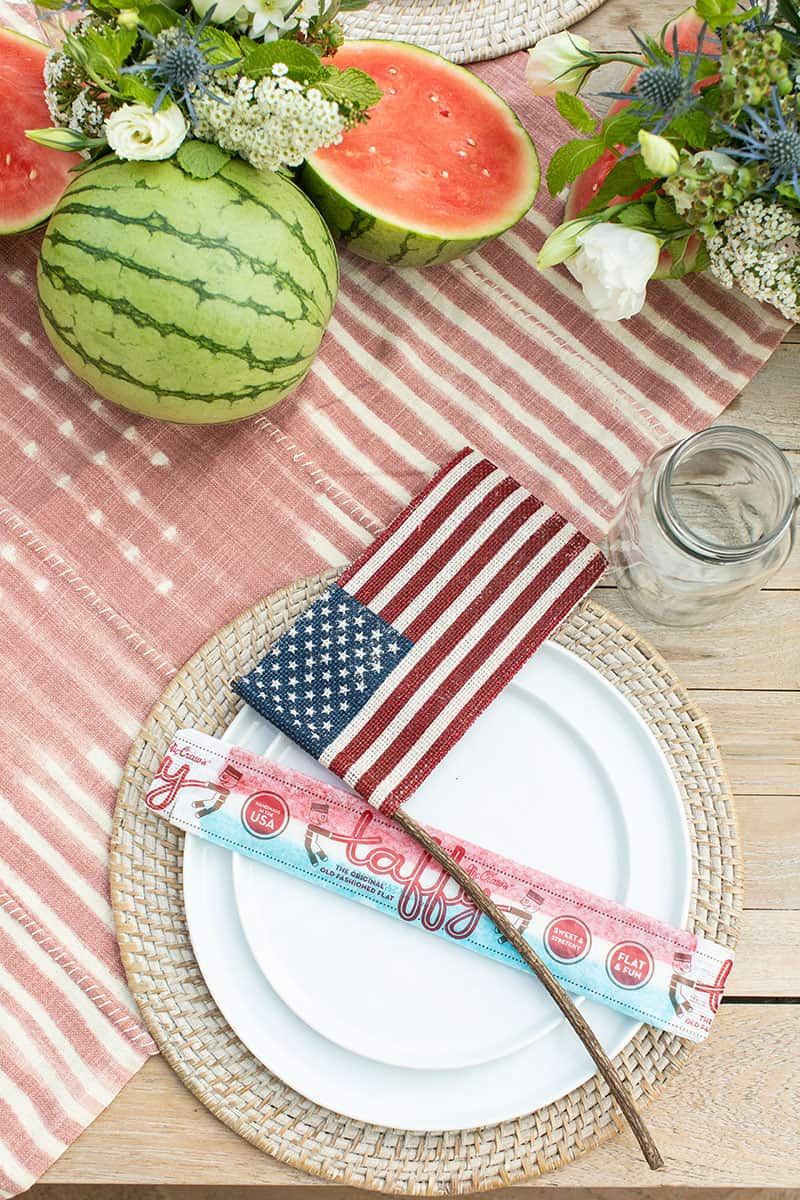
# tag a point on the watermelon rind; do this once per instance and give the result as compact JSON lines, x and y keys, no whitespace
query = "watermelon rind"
{"x":35,"y":155}
{"x":379,"y":240}
{"x":187,"y":300}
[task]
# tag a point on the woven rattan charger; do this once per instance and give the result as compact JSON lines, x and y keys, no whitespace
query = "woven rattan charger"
{"x":467,"y":30}
{"x":195,"y":1039}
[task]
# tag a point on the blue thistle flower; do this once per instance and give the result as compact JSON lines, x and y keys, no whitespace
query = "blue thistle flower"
{"x":663,"y":92}
{"x":772,"y":138}
{"x":180,"y":66}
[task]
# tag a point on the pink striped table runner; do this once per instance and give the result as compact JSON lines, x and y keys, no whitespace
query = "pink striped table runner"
{"x":125,"y":543}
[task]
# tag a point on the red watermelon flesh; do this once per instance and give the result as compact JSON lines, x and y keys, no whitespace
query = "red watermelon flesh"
{"x":441,"y":165}
{"x":32,"y":178}
{"x":689,"y":27}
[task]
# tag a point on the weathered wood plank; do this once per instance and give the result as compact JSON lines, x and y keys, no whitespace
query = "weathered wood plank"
{"x":757,"y":647}
{"x":758,"y":734}
{"x":728,"y":1120}
{"x":769,"y":827}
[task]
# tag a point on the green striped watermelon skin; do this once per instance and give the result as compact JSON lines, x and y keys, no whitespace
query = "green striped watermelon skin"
{"x":197,"y":301}
{"x":378,"y":240}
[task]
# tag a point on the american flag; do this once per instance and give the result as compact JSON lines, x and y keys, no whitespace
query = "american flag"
{"x":385,"y":671}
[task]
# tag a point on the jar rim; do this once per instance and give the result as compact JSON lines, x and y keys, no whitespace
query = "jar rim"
{"x":694,"y":543}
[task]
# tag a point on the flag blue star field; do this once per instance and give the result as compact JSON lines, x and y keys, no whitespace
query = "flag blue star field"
{"x":386,"y":670}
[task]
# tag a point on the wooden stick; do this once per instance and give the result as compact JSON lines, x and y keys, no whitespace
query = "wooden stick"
{"x":568,"y":1008}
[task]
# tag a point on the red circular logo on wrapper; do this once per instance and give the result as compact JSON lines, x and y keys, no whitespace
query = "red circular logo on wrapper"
{"x":629,"y":965}
{"x":265,"y":814}
{"x":567,"y":939}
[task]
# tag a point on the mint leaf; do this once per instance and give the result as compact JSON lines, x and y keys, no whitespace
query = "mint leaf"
{"x":625,"y":178}
{"x":694,"y":127}
{"x":573,"y":109}
{"x":639,"y":214}
{"x":220,"y":46}
{"x":155,"y":18}
{"x":201,"y":160}
{"x":302,"y":63}
{"x":623,"y":128}
{"x":133,"y":88}
{"x":101,"y":53}
{"x":571,"y":160}
{"x":665,"y":215}
{"x":350,"y":88}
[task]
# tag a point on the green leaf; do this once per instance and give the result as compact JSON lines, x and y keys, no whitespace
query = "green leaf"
{"x":694,"y":127}
{"x":303,"y":64}
{"x":625,"y":178}
{"x":220,"y":46}
{"x":665,"y":215}
{"x":639,"y":214}
{"x":570,"y":160}
{"x":155,"y":18}
{"x":573,"y":109}
{"x":201,"y":160}
{"x":702,"y":259}
{"x":133,"y":88}
{"x":350,"y":88}
{"x":717,"y":12}
{"x":623,"y":128}
{"x":101,"y":53}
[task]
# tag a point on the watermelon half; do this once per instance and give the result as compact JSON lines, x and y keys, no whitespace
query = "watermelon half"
{"x":32,"y":178}
{"x":441,"y":166}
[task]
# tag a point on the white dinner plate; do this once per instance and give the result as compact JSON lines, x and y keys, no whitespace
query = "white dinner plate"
{"x":383,"y":1022}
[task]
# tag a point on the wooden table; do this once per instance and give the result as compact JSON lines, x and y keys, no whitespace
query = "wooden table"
{"x":732,"y":1117}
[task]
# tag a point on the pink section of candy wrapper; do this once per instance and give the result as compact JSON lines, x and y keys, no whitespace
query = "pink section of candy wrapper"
{"x":236,"y":771}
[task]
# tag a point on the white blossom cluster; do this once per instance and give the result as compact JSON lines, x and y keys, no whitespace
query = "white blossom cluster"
{"x":60,"y":85}
{"x":272,"y":122}
{"x":758,"y":250}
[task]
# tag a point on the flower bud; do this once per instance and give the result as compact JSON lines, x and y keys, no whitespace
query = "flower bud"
{"x":59,"y":139}
{"x":558,"y":63}
{"x":660,"y":156}
{"x":562,"y":243}
{"x":128,"y":18}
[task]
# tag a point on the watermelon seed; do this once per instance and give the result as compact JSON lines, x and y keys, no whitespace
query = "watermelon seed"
{"x":392,"y":70}
{"x":8,"y":159}
{"x":462,"y":154}
{"x":471,"y":142}
{"x":392,"y":91}
{"x":32,"y":174}
{"x":445,"y":174}
{"x":434,"y":98}
{"x":372,"y":149}
{"x":486,"y":171}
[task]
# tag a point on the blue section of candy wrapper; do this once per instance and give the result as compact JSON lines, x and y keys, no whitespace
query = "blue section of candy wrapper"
{"x":595,"y":948}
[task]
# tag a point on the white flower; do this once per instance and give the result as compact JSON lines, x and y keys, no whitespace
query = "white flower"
{"x":267,"y":18}
{"x":135,"y":131}
{"x":659,"y":155}
{"x":271,"y":123}
{"x":758,"y":250}
{"x":720,"y":164}
{"x":613,"y":266}
{"x":224,"y":10}
{"x":557,"y":64}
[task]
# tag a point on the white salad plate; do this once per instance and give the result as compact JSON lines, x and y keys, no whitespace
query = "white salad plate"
{"x":386,"y":1023}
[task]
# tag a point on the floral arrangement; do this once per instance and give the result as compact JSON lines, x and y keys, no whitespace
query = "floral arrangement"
{"x":697,"y":165}
{"x":203,"y":81}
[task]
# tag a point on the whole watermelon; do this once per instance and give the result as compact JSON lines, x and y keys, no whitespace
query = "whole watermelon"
{"x":183,"y":299}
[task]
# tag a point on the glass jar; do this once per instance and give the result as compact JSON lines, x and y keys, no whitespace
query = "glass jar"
{"x":702,"y":524}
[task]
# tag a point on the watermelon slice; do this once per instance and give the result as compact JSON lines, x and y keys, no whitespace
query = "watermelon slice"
{"x":441,"y":166}
{"x":689,"y":27}
{"x":32,"y":178}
